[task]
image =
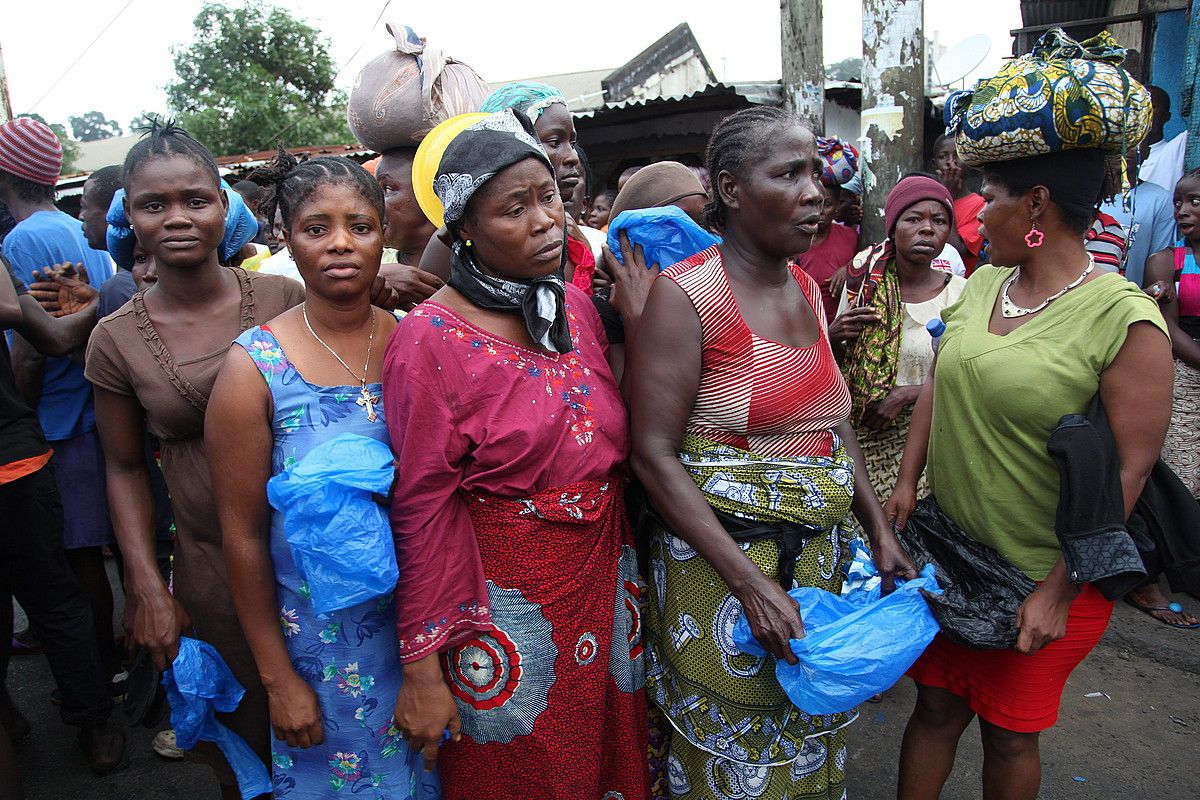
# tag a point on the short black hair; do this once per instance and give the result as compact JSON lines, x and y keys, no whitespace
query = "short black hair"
{"x":28,"y":190}
{"x":1160,"y":98}
{"x":294,"y":181}
{"x":161,"y":139}
{"x":733,"y":141}
{"x":250,"y":191}
{"x":1078,"y":181}
{"x":105,"y":183}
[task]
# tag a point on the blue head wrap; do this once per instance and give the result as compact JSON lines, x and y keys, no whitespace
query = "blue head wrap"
{"x":529,"y":97}
{"x":240,"y":227}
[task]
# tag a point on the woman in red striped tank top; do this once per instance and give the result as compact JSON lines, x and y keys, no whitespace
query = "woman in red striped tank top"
{"x":741,"y":438}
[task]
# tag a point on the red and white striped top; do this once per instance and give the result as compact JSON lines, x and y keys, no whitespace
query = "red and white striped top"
{"x":757,"y":394}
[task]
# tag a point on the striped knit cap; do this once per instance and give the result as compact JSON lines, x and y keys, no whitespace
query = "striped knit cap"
{"x":30,"y":150}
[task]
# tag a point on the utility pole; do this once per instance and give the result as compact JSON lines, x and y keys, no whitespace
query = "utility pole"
{"x":803,"y":61}
{"x":5,"y":103}
{"x":893,"y":103}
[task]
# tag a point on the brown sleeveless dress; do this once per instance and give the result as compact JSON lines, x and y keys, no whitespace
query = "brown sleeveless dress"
{"x":126,"y":356}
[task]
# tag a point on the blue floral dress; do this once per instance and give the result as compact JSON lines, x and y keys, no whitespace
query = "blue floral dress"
{"x":351,"y":658}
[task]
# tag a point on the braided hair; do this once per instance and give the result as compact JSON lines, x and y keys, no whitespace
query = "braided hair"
{"x":166,"y":139}
{"x":292,"y":181}
{"x":735,"y":139}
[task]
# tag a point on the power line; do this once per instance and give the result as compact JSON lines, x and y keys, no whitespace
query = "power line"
{"x":80,"y":56}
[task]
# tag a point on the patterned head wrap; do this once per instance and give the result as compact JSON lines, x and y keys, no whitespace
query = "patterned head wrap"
{"x":529,"y":97}
{"x":839,"y":159}
{"x":476,"y":156}
{"x":240,"y":228}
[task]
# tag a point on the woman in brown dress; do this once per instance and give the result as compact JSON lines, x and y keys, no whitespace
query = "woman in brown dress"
{"x":153,"y":363}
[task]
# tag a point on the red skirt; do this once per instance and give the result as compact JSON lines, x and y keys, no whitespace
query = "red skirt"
{"x":551,"y":695}
{"x":1014,"y":691}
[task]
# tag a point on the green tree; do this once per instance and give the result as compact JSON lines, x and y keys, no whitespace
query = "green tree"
{"x":70,"y":147}
{"x":848,"y":69}
{"x":254,"y":75}
{"x":93,"y":126}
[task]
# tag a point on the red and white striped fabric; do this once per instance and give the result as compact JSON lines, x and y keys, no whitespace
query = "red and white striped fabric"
{"x":754,"y":393}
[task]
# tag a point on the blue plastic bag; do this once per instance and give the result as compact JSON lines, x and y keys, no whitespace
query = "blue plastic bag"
{"x":854,"y":647}
{"x":340,"y":537}
{"x":199,"y":684}
{"x":667,"y":235}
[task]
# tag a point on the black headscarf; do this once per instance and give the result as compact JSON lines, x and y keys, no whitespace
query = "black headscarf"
{"x":474,"y":157}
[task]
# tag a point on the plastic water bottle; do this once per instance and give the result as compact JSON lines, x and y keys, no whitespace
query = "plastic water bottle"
{"x":936,"y":328}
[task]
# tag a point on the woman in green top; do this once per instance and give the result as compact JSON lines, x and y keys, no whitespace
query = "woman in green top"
{"x":1026,"y":344}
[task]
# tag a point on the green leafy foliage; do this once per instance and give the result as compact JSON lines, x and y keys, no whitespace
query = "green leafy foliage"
{"x":255,"y":75}
{"x":848,"y":69}
{"x":69,"y":146}
{"x":93,"y":126}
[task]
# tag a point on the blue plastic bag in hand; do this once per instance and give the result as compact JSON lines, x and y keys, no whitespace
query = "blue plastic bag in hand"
{"x":667,"y":235}
{"x":340,"y":537}
{"x":199,"y":684}
{"x":854,"y":647}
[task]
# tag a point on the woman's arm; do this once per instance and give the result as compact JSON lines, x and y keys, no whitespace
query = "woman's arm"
{"x":912,"y":463}
{"x":157,"y":618}
{"x":890,"y":558}
{"x":238,"y":441}
{"x":664,"y":367}
{"x":1161,"y":268}
{"x":1136,"y":392}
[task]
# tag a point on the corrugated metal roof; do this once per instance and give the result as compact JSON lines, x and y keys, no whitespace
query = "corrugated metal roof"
{"x":756,"y":92}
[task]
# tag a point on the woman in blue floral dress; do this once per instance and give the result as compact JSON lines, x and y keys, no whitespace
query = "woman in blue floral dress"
{"x":308,"y":376}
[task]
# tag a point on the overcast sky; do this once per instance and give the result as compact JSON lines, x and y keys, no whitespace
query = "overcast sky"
{"x":125,"y":71}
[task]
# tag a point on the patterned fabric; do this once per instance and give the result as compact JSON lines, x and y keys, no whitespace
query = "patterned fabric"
{"x":873,"y":358}
{"x":754,"y":393}
{"x":550,"y":691}
{"x":349,"y":658}
{"x":839,"y":160}
{"x":1181,"y":450}
{"x":1105,"y":240}
{"x":882,"y":453}
{"x":735,"y":732}
{"x":1064,"y":95}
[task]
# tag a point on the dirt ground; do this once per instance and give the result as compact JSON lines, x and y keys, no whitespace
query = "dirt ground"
{"x":1140,"y":741}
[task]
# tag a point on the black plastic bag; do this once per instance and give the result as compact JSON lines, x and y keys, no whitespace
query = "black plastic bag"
{"x":981,"y":590}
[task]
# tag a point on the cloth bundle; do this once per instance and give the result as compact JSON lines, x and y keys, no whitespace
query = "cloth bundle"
{"x":839,"y":160}
{"x":401,"y":95}
{"x":1064,"y":95}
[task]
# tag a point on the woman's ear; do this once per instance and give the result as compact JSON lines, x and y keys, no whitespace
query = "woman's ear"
{"x":1039,"y":201}
{"x":727,"y":188}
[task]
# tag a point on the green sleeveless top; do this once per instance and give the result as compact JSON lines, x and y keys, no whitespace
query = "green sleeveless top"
{"x":998,"y":398}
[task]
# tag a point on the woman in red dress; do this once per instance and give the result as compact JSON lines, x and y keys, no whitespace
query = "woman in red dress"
{"x":518,"y":612}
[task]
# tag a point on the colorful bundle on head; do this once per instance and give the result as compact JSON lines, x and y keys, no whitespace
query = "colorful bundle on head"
{"x":839,"y":159}
{"x":1064,"y":95}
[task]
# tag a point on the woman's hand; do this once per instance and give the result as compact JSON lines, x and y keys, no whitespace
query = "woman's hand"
{"x":295,"y":712}
{"x":631,"y":280}
{"x":884,"y":413}
{"x":1160,"y":291}
{"x":851,"y":323}
{"x":890,"y":560}
{"x":900,"y":505}
{"x":774,"y":617}
{"x":158,"y":622}
{"x":951,"y":176}
{"x":410,"y":285}
{"x":425,"y":709}
{"x":837,"y":281}
{"x":1042,"y":619}
{"x":62,"y":289}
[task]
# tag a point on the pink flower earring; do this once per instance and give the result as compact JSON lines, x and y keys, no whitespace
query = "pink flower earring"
{"x":1035,"y":237}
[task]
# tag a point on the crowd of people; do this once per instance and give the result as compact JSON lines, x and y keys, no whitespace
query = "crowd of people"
{"x":602,"y":462}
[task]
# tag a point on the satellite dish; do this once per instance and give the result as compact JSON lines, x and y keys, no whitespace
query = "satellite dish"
{"x":962,"y":59}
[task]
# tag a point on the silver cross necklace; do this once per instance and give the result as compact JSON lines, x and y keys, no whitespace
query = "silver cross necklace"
{"x":365,"y":399}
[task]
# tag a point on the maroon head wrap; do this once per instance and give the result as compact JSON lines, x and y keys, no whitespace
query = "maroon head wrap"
{"x":910,"y":191}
